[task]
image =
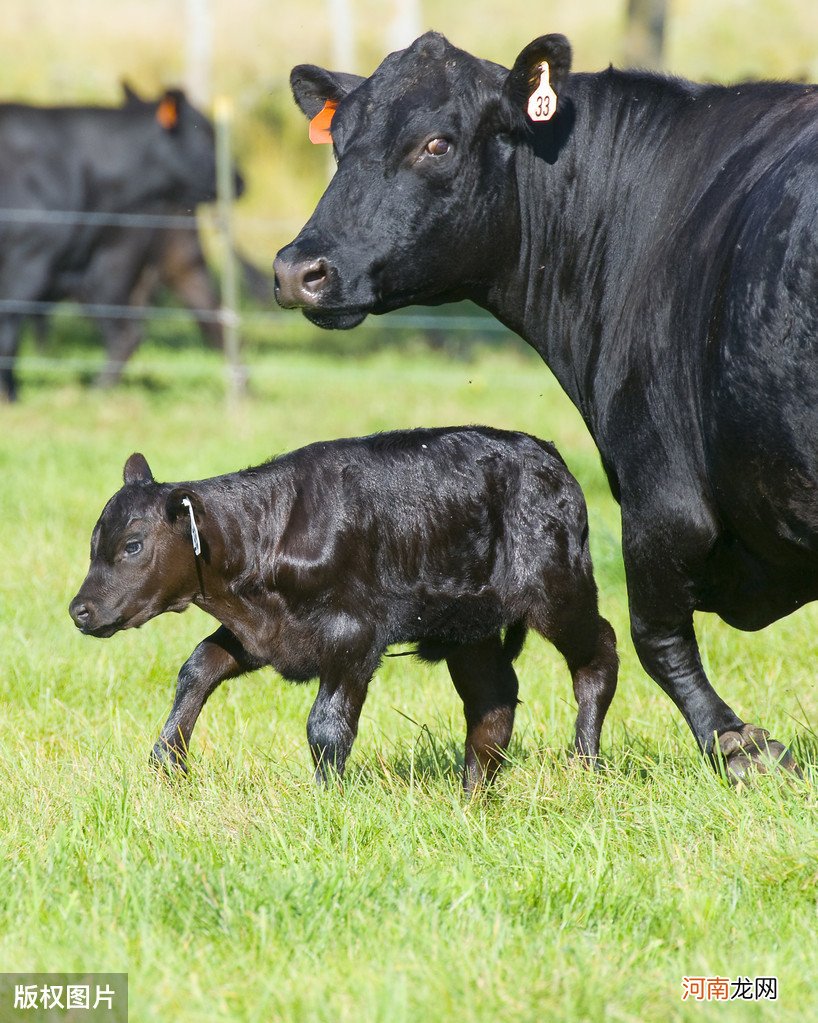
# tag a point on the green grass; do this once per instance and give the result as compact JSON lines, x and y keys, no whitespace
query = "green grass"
{"x":243,"y":893}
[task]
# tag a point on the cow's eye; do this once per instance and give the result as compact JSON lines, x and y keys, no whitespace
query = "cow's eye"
{"x":438,"y":147}
{"x":133,"y":547}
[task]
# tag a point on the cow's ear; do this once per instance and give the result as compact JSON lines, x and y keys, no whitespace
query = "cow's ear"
{"x":130,"y":94}
{"x":137,"y":470}
{"x":168,"y":108}
{"x":312,"y":86}
{"x":529,"y":77}
{"x":185,"y":512}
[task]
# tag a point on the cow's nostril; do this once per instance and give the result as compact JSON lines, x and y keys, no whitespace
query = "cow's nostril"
{"x":314,"y":277}
{"x":300,"y":283}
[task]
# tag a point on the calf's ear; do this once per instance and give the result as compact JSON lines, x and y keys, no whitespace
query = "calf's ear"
{"x":185,"y":512}
{"x":526,"y":76}
{"x":177,"y":501}
{"x":312,"y":86}
{"x":137,"y":470}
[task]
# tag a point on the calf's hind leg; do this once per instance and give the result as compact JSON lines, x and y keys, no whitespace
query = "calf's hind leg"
{"x":486,"y":682}
{"x":219,"y":657}
{"x":588,"y":644}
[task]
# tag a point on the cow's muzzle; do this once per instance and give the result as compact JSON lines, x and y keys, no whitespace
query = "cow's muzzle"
{"x":300,"y":283}
{"x":312,"y":286}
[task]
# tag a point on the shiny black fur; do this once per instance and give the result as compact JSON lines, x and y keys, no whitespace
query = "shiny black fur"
{"x":657,"y":243}
{"x":456,"y":540}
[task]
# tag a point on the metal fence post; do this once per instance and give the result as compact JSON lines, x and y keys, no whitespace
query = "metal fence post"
{"x":237,"y":381}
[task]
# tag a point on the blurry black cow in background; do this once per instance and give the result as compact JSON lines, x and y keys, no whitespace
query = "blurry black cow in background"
{"x":126,"y":268}
{"x":137,"y":158}
{"x":129,"y":266}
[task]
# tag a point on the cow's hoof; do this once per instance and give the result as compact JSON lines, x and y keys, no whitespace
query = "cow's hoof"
{"x":168,"y":760}
{"x":751,"y":751}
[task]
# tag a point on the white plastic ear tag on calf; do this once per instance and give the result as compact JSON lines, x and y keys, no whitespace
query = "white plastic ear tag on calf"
{"x":194,"y":531}
{"x":542,"y":103}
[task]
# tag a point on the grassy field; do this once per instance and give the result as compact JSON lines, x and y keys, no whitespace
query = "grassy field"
{"x":243,"y":893}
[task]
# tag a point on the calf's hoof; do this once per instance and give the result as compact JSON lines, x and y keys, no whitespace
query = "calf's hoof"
{"x":168,"y":759}
{"x":751,"y":751}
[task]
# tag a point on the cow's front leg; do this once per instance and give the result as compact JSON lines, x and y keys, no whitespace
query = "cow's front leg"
{"x":333,"y":721}
{"x":660,"y":593}
{"x":219,"y":657}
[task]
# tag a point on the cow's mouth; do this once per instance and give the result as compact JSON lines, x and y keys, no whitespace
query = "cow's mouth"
{"x":336,"y":319}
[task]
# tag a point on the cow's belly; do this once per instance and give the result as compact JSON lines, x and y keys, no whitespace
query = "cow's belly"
{"x":764,"y":564}
{"x":748,"y":591}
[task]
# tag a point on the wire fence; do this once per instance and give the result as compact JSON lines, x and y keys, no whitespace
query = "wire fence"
{"x":228,"y":314}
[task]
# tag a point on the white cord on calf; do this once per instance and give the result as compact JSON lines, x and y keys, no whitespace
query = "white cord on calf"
{"x":194,"y":531}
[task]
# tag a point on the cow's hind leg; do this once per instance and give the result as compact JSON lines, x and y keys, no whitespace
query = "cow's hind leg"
{"x":122,"y":338}
{"x":9,"y":343}
{"x":219,"y":657}
{"x":485,"y":679}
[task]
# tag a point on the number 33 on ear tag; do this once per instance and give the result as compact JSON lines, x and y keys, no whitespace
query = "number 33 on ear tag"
{"x":542,"y":103}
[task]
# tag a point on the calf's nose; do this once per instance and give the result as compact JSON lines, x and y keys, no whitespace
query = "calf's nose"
{"x":80,"y":612}
{"x":300,"y":283}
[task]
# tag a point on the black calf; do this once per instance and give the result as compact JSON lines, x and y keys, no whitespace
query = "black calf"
{"x":457,"y":540}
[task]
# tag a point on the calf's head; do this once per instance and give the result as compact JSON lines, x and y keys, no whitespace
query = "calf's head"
{"x":142,"y":557}
{"x":423,"y":195}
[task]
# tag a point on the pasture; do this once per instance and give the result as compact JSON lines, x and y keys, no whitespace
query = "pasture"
{"x":243,"y":892}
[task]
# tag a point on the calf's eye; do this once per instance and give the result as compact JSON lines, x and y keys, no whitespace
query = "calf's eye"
{"x":438,"y":147}
{"x":133,"y":546}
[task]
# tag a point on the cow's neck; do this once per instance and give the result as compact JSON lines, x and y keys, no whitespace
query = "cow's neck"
{"x":588,"y":213}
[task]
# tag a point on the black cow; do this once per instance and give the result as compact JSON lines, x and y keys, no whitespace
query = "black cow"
{"x":95,"y":160}
{"x":657,"y":242}
{"x":457,"y":540}
{"x":127,"y":266}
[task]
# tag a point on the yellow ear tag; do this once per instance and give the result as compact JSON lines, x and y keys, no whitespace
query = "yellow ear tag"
{"x":542,"y":103}
{"x":320,"y":124}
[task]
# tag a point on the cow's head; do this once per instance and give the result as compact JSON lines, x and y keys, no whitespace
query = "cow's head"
{"x":142,"y":557}
{"x":423,"y":187}
{"x":182,"y":147}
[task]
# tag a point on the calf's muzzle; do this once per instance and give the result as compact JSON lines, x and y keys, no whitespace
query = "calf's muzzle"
{"x":80,"y":612}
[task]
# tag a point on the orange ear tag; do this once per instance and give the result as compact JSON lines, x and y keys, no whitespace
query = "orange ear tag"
{"x":320,"y":124}
{"x":167,"y":113}
{"x":542,"y":103}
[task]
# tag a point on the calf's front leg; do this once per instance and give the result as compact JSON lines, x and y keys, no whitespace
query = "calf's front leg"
{"x":333,"y":721}
{"x":219,"y":657}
